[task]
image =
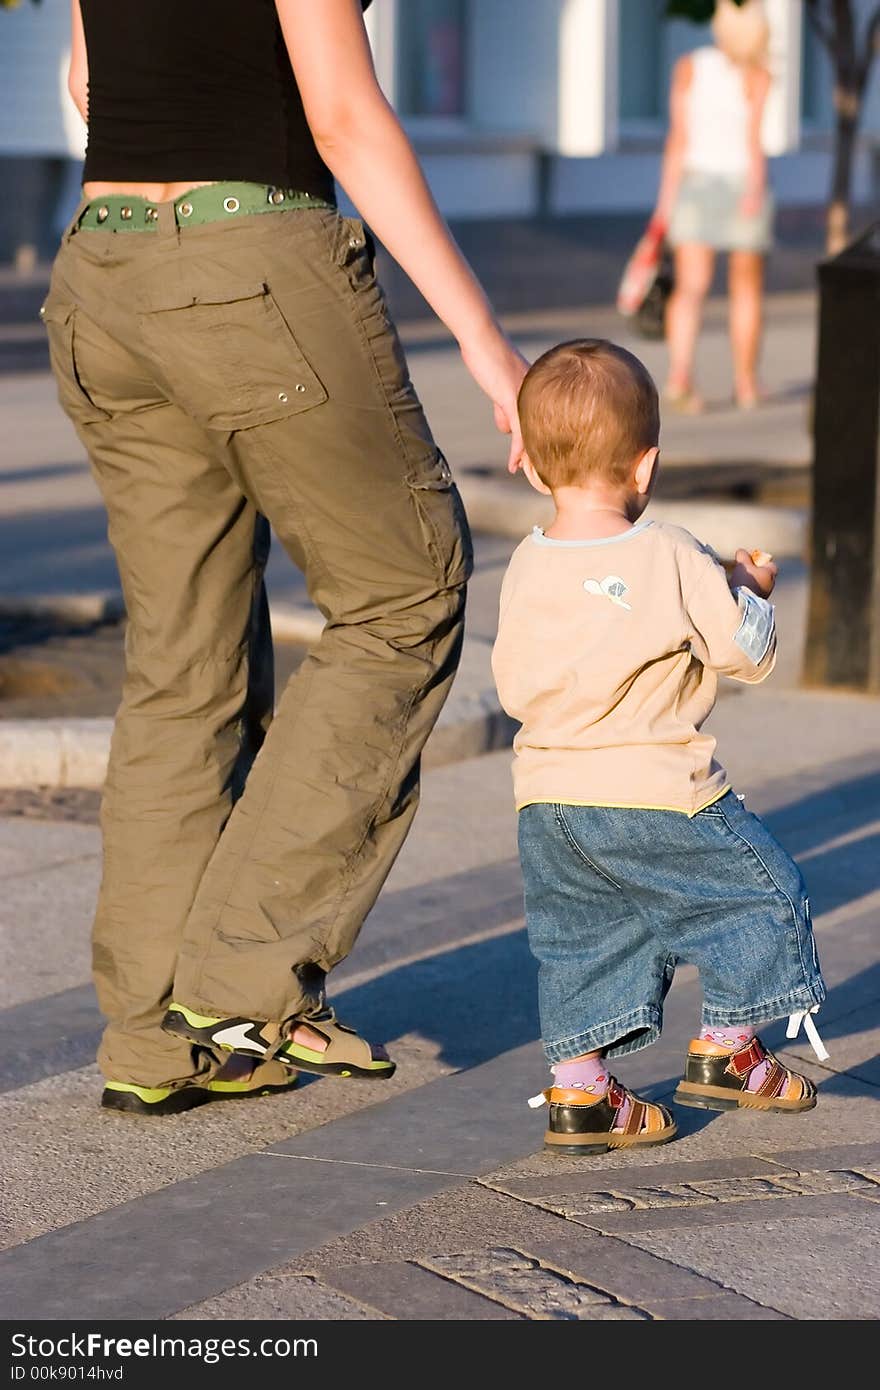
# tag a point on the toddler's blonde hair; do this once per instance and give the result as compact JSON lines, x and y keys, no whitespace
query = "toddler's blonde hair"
{"x":588,"y":408}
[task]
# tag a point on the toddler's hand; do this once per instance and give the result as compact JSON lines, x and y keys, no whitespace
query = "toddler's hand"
{"x":755,"y":570}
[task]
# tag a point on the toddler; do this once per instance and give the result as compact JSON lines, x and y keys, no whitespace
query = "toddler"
{"x":636,"y":854}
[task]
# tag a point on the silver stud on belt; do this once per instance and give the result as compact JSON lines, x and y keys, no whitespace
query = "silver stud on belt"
{"x":231,"y":204}
{"x":185,"y":209}
{"x":103,"y":214}
{"x":125,"y":214}
{"x":152,"y":214}
{"x":276,"y":196}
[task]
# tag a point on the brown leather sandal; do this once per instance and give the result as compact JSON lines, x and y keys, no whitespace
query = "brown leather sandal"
{"x":717,"y":1079}
{"x":581,"y":1123}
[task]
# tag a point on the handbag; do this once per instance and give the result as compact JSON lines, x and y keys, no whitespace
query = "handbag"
{"x":650,"y":317}
{"x":646,"y":281}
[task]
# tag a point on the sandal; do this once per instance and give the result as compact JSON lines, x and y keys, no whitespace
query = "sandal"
{"x":717,"y":1079}
{"x":580,"y":1123}
{"x":346,"y":1053}
{"x":685,"y":400}
{"x":262,"y":1079}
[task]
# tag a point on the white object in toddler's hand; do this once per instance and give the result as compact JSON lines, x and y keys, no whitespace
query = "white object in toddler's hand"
{"x":812,"y":1032}
{"x":612,"y":586}
{"x":760,"y":558}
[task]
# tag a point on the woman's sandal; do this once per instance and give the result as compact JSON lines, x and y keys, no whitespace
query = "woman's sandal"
{"x":581,"y":1123}
{"x":346,"y":1053}
{"x":717,"y":1079}
{"x":685,"y":400}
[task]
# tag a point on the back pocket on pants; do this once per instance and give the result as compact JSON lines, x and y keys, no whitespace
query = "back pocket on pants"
{"x":229,"y":358}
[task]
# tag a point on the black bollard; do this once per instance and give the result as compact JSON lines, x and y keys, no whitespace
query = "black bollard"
{"x":843,"y":630}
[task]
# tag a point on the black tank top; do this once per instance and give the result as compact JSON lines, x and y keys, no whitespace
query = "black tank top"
{"x":195,"y":89}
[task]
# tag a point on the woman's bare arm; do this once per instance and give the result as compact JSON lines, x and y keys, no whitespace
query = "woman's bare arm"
{"x":676,"y":140}
{"x":78,"y":74}
{"x":363,"y":144}
{"x":758,"y":83}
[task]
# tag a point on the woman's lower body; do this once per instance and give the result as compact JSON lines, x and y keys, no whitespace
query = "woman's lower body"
{"x":224,"y":377}
{"x":708,"y":219}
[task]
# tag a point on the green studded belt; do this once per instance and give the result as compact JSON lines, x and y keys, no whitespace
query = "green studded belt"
{"x":215,"y":202}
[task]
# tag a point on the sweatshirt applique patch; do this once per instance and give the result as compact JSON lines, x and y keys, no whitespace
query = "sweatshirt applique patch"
{"x":611,"y":587}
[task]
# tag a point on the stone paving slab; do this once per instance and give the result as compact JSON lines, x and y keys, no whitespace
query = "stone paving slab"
{"x":701,"y":1214}
{"x":279,"y":1298}
{"x":808,"y":1267}
{"x":634,"y":1176}
{"x":611,"y":1265}
{"x":664,"y":1195}
{"x":862,"y":1157}
{"x":520,"y":1281}
{"x":30,"y":1052}
{"x":174,"y":1234}
{"x":728,"y":1307}
{"x":459,"y":1125}
{"x":406,"y":1291}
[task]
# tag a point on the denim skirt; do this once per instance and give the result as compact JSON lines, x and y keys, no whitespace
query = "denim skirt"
{"x":707,"y":212}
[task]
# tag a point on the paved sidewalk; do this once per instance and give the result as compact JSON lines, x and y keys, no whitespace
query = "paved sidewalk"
{"x":429,"y":1197}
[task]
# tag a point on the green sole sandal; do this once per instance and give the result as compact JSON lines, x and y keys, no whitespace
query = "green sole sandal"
{"x":346,"y":1053}
{"x":247,"y":1036}
{"x":719,"y":1081}
{"x":267,"y":1079}
{"x":583,"y":1124}
{"x":156,"y":1100}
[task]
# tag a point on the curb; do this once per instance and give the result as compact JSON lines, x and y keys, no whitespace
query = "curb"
{"x":291,"y":622}
{"x":509,"y":507}
{"x":73,"y":752}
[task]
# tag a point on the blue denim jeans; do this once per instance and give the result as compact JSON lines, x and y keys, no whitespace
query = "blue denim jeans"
{"x":616,"y":898}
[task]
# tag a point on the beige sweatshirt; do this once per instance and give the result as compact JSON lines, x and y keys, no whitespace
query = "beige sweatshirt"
{"x":608,"y":653}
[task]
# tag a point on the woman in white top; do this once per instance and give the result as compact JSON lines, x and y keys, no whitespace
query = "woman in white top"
{"x":714,"y":194}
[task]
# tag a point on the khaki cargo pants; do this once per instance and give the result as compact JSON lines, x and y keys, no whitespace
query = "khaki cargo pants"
{"x":218,"y":376}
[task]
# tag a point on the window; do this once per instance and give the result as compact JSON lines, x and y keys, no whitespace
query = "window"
{"x":649,"y":47}
{"x":640,"y":47}
{"x":817,"y":79}
{"x":431,"y":64}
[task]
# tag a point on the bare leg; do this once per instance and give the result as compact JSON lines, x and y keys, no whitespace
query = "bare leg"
{"x":694,"y":267}
{"x":746,"y":282}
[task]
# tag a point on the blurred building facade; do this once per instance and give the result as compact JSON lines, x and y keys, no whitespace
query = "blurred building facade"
{"x":517,"y":107}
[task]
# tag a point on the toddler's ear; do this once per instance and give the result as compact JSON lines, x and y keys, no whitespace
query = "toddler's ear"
{"x":529,"y":469}
{"x":646,"y":470}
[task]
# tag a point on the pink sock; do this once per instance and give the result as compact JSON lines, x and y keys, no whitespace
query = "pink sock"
{"x":586,"y":1074}
{"x":735,"y":1036}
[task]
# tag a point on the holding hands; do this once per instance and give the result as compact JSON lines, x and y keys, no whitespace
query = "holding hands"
{"x":498,"y":369}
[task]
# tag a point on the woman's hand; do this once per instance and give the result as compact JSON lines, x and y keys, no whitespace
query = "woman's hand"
{"x":498,"y":369}
{"x":752,"y":199}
